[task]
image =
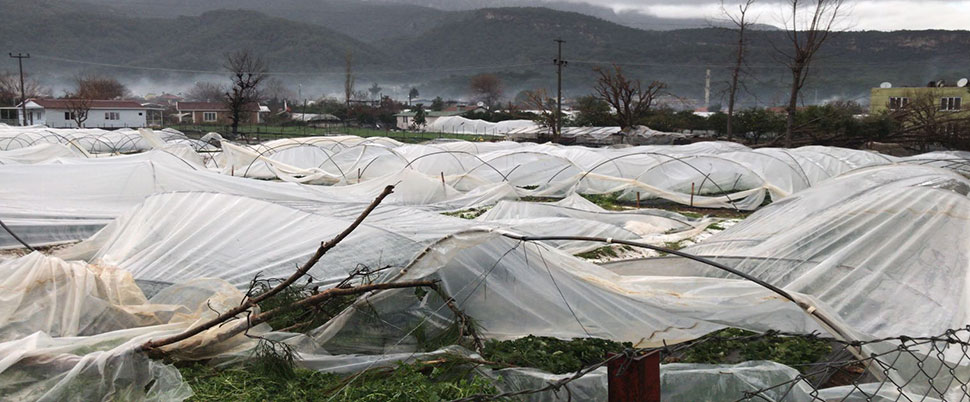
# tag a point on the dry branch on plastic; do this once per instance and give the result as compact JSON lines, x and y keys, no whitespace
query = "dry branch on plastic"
{"x":152,"y":346}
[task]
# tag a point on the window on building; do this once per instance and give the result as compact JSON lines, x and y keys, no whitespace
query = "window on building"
{"x":950,"y":103}
{"x":209,"y":116}
{"x":896,"y":103}
{"x":69,"y":115}
{"x":112,"y":116}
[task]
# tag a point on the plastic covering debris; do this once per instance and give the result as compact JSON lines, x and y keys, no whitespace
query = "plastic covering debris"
{"x":170,"y":235}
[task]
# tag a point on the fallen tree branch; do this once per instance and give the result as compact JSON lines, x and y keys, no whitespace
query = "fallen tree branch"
{"x":317,"y":299}
{"x":152,"y":345}
{"x":465,"y":325}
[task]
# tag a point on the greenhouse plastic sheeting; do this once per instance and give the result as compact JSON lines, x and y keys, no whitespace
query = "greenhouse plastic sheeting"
{"x":711,"y":174}
{"x":883,"y":246}
{"x":91,"y":140}
{"x":49,"y":203}
{"x":163,"y":238}
{"x":40,"y":153}
{"x":514,"y":289}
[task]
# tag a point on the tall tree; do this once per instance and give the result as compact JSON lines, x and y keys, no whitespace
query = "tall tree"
{"x":90,"y":86}
{"x":10,"y":89}
{"x":741,"y":22}
{"x":593,"y":111}
{"x":420,"y":116}
{"x":437,"y":104}
{"x":204,"y":91}
{"x":375,"y":91}
{"x":413,"y":93}
{"x":247,"y":72}
{"x":548,"y":114}
{"x":276,"y":90}
{"x":348,"y":77}
{"x":487,"y":88}
{"x":627,"y":96}
{"x":808,"y":26}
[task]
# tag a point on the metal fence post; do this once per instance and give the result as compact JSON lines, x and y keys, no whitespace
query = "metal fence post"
{"x":634,"y":378}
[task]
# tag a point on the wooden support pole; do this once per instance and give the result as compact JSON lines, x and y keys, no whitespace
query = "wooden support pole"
{"x":638,"y":200}
{"x":634,"y":378}
{"x":691,"y":194}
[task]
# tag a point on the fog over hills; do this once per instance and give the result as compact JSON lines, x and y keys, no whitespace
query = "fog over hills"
{"x":173,"y":43}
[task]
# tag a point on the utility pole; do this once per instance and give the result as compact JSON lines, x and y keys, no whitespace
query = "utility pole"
{"x":707,"y":90}
{"x":23,"y":97}
{"x":560,"y":63}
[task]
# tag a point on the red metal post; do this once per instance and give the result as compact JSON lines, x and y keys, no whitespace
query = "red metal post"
{"x":634,"y":379}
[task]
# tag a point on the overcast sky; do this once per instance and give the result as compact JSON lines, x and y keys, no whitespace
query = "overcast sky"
{"x":880,"y":15}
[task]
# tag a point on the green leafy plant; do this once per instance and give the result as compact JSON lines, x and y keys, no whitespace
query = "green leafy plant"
{"x":732,"y":345}
{"x":550,"y":354}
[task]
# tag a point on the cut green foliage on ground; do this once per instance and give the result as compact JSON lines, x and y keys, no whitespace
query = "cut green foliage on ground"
{"x":470,"y":213}
{"x":610,"y":202}
{"x":550,"y":354}
{"x":602,"y":252}
{"x":732,"y":345}
{"x":454,"y":376}
{"x":406,"y":382}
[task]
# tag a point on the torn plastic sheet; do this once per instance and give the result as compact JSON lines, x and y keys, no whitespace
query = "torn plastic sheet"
{"x":515,"y":289}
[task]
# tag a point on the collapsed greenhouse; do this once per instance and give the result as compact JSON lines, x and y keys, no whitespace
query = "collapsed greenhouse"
{"x":151,"y":234}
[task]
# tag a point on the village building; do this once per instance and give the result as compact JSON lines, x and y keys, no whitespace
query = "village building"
{"x":948,"y":98}
{"x":217,"y":113}
{"x":61,"y":113}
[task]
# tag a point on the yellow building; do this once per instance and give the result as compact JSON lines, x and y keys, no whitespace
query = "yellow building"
{"x":951,"y":99}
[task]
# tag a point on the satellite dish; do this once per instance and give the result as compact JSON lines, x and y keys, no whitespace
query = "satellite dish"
{"x":941,"y":83}
{"x":886,"y":84}
{"x":962,"y":82}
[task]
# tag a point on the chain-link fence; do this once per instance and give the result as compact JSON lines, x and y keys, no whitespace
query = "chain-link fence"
{"x":898,"y":368}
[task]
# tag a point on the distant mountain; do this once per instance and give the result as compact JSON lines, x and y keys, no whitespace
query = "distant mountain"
{"x":104,"y":36}
{"x":438,"y":57}
{"x":522,"y":38}
{"x":363,"y":20}
{"x":629,"y":18}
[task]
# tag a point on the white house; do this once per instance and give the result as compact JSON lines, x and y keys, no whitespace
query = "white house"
{"x":59,"y":113}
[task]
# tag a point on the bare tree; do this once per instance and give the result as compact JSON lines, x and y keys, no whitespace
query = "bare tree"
{"x":375,"y":91}
{"x":91,"y":86}
{"x":10,"y":89}
{"x":348,"y":77}
{"x":546,"y":106}
{"x":206,"y":92}
{"x":487,"y":88}
{"x":925,"y":122}
{"x":630,"y":100}
{"x":78,"y":108}
{"x":276,"y":90}
{"x":808,"y":27}
{"x":742,"y":22}
{"x":248,"y":72}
